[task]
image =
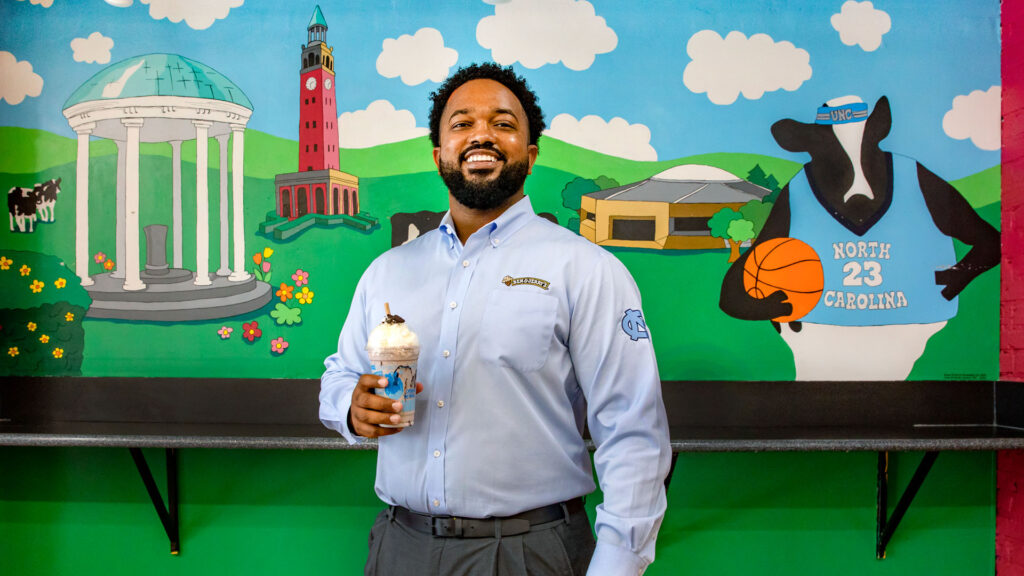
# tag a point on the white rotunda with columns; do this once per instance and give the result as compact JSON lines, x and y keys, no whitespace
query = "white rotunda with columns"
{"x":169,"y":99}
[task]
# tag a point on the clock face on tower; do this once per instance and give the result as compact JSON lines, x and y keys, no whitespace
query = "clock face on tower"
{"x":327,"y":83}
{"x":310,"y":83}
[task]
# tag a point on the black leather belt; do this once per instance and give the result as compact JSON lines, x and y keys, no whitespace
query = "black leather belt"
{"x":458,"y":527}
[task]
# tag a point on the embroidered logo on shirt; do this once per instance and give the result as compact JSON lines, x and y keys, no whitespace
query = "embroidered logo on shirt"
{"x":510,"y":281}
{"x":634,"y":326}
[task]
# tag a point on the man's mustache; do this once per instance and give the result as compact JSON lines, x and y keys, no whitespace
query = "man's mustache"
{"x":486,"y":146}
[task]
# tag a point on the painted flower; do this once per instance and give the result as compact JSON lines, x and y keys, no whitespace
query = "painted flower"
{"x":306,"y":296}
{"x":251,"y":331}
{"x":108,"y":265}
{"x":266,"y":266}
{"x":60,"y":283}
{"x":285,"y":292}
{"x":268,"y":252}
{"x":25,"y":270}
{"x":36,"y":287}
{"x":225,"y":332}
{"x":99,"y":257}
{"x":257,"y":258}
{"x":70,"y":317}
{"x":12,"y":351}
{"x":5,"y":263}
{"x":31,"y":326}
{"x":44,"y":338}
{"x":278,"y":345}
{"x":58,"y":352}
{"x":301,"y":277}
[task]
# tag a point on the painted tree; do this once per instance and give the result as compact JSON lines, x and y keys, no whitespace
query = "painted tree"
{"x":757,"y":212}
{"x":574,"y":190}
{"x":721,"y":225}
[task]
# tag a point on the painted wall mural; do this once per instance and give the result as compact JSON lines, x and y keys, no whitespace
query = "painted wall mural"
{"x":802,"y":190}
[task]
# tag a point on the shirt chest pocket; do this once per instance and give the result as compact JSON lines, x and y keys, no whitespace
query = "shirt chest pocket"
{"x":518,"y":329}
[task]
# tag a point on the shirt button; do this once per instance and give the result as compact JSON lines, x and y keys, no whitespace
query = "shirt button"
{"x":446,"y":353}
{"x":465,"y":263}
{"x":437,"y":453}
{"x":440,"y":403}
{"x":436,"y":503}
{"x":497,"y":241}
{"x":452,"y":304}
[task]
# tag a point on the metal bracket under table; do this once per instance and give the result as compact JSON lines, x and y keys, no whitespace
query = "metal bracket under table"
{"x":886,"y":526}
{"x":168,"y":513}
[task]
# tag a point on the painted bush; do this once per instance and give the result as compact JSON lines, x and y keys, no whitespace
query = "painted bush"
{"x":41,"y":331}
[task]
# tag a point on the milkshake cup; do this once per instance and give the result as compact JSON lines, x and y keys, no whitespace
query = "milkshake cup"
{"x":393,"y":350}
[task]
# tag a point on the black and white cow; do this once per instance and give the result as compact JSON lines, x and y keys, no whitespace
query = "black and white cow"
{"x":46,"y":197}
{"x":21,"y":205}
{"x":882,"y":225}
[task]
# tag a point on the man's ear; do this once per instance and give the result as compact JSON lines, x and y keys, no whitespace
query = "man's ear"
{"x":792,"y":135}
{"x":437,"y":158}
{"x":531,"y":151}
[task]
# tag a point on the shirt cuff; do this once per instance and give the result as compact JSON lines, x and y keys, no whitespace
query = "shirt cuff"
{"x":611,"y":560}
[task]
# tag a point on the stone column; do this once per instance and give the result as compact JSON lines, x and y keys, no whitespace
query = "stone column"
{"x":202,"y":203}
{"x":237,"y":183}
{"x":119,"y":243}
{"x":176,"y":225}
{"x":131,"y":265}
{"x":222,"y":144}
{"x":82,"y":204}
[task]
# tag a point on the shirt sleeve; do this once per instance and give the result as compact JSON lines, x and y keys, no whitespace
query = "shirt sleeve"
{"x":343,"y":368}
{"x":615,"y":365}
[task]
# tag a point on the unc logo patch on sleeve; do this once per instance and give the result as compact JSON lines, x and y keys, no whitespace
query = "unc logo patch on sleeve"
{"x":634,"y":326}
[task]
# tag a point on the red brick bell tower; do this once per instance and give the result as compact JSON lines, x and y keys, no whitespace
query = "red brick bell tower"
{"x":318,"y":112}
{"x":319,"y":187}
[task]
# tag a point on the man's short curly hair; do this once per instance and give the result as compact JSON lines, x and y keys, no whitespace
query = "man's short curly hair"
{"x":489,"y":71}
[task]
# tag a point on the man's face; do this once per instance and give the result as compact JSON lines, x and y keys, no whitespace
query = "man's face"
{"x":485,"y":151}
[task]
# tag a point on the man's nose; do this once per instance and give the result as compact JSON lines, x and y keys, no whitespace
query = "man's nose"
{"x":481,"y":133}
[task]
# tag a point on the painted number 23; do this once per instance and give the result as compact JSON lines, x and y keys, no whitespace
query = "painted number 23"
{"x":857,"y":274}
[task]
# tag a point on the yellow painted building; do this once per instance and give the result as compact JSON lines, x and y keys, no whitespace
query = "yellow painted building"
{"x":667,"y":211}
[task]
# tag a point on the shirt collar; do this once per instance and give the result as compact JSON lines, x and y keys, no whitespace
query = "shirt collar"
{"x":499,"y":229}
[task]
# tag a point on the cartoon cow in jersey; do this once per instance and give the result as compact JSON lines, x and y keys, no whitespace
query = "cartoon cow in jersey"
{"x":881,"y":224}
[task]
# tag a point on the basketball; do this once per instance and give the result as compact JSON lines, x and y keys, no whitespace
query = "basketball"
{"x":789,"y":265}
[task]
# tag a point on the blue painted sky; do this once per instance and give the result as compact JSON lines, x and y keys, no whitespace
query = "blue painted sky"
{"x":929,"y":54}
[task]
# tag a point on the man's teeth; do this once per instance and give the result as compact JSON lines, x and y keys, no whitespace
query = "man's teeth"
{"x":480,"y":158}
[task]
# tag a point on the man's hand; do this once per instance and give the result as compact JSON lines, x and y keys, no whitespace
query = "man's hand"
{"x":369,"y":410}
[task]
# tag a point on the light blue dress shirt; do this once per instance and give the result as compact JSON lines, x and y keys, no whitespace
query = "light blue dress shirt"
{"x":524,"y":332}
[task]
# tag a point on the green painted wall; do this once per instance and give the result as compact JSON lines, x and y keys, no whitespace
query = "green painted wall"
{"x":85,"y":511}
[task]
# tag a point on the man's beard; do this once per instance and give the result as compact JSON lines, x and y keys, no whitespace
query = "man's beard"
{"x":484,"y":195}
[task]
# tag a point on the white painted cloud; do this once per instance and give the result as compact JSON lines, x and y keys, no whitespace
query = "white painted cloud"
{"x":493,"y":2}
{"x":539,"y":32}
{"x":94,"y":49}
{"x":198,"y":14}
{"x":120,"y":3}
{"x":17,"y":80}
{"x":378,"y":124}
{"x":726,"y":67}
{"x":416,"y":58}
{"x":860,"y":23}
{"x":976,"y":116}
{"x":43,"y":3}
{"x":616,"y":137}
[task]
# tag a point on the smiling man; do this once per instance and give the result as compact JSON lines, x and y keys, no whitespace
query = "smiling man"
{"x":527,"y":331}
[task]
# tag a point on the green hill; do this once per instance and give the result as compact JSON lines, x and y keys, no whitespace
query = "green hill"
{"x":31,"y":151}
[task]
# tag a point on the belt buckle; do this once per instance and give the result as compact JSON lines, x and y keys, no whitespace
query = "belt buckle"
{"x":447,"y":527}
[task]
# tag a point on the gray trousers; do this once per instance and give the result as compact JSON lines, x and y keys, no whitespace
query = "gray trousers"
{"x":553,"y":549}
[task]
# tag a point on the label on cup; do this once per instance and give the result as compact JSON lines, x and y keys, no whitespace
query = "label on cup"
{"x":401,"y":377}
